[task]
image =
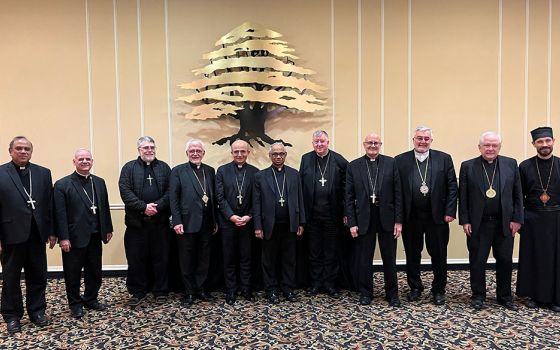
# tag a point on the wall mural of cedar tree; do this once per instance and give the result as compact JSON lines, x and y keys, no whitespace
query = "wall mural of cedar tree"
{"x":252,"y":76}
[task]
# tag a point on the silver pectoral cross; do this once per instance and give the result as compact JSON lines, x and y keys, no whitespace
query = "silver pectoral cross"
{"x":32,"y":202}
{"x":322,"y":181}
{"x":150,"y":178}
{"x":281,"y":201}
{"x":240,"y":197}
{"x":93,"y":209}
{"x":372,"y":198}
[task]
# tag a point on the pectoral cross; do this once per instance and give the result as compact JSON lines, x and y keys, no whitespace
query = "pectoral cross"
{"x":373,"y":198}
{"x":93,"y":207}
{"x":149,"y":178}
{"x":32,"y":202}
{"x":240,"y":197}
{"x":322,"y":181}
{"x":281,"y":201}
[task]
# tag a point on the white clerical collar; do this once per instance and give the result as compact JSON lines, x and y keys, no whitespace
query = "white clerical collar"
{"x":421,"y":156}
{"x":84,"y":176}
{"x":322,"y":156}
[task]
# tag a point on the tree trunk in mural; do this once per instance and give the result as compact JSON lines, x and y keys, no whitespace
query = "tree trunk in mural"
{"x":251,"y":77}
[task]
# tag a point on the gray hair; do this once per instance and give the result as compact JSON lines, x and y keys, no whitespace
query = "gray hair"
{"x":423,"y":128}
{"x":143,"y":139}
{"x":275,"y":144}
{"x":489,"y":133}
{"x":17,"y":138}
{"x":192,"y":142}
{"x":318,"y":133}
{"x":83,"y":149}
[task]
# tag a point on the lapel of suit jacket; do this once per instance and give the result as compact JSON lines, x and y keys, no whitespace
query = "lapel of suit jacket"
{"x":381,"y":167}
{"x":81,"y":192}
{"x":434,"y":164}
{"x":363,"y":169}
{"x":288,"y":181}
{"x":503,"y":175}
{"x":270,"y":180}
{"x":412,"y":168}
{"x":194,"y":179}
{"x":479,"y":174}
{"x":17,"y":180}
{"x":331,"y":169}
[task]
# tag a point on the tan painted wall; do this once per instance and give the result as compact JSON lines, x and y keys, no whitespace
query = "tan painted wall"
{"x":100,"y":73}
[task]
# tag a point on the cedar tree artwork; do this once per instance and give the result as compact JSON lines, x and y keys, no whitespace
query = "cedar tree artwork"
{"x":251,"y":77}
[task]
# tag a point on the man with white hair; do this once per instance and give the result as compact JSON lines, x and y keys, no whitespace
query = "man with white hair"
{"x":191,"y":197}
{"x":491,"y":212}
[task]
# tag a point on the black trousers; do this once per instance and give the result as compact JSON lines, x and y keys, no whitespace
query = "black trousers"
{"x":437,"y":238}
{"x":323,"y":258}
{"x":194,"y":258}
{"x":89,"y":258}
{"x":279,"y":253}
{"x":147,"y":254}
{"x":365,"y":248}
{"x":490,"y":235}
{"x":32,"y":256}
{"x":236,"y":247}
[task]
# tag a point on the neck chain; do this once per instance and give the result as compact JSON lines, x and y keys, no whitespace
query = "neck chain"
{"x":544,"y":197}
{"x":203,"y":187}
{"x":372,"y":184}
{"x":29,"y":194}
{"x":280,"y":192}
{"x":424,"y":189}
{"x":91,"y":200}
{"x":490,"y":192}
{"x":322,"y":172}
{"x":239,"y":188}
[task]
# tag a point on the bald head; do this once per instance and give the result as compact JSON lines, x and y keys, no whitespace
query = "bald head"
{"x":372,"y":145}
{"x":240,"y":151}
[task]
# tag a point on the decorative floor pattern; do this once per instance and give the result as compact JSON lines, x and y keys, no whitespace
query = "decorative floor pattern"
{"x":311,"y":323}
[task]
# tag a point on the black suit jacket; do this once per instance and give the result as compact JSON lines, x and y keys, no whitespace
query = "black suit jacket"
{"x":473,"y":186}
{"x":357,"y":194}
{"x":336,"y":175}
{"x":185,"y":195}
{"x":227,"y":192}
{"x":72,"y":208}
{"x":443,"y":184}
{"x":16,"y":213}
{"x":264,"y":200}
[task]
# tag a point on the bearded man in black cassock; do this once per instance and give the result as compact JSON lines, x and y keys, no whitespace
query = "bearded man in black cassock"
{"x":539,"y":248}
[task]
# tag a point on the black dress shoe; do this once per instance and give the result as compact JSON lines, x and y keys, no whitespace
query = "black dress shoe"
{"x":95,"y":305}
{"x":273,"y":298}
{"x":202,"y":295}
{"x":508,"y":304}
{"x":365,"y":300}
{"x":248,"y":295}
{"x":531,"y":304}
{"x":13,"y":326}
{"x":291,"y":297}
{"x":311,"y":291}
{"x":477,"y":304}
{"x":77,"y":311}
{"x":439,"y":299}
{"x":332,"y":292}
{"x":395,"y":302}
{"x":40,"y":319}
{"x":230,"y":298}
{"x":187,"y":301}
{"x":414,"y":295}
{"x":555,"y":308}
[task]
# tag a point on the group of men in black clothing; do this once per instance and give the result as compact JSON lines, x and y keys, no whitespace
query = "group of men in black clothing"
{"x":374,"y":197}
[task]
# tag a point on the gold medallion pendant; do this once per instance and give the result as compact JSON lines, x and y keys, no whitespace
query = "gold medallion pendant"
{"x":490,"y":193}
{"x":424,"y":189}
{"x":544,"y":197}
{"x":205,"y":199}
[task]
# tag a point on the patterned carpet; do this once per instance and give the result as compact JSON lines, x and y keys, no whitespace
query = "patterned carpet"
{"x":311,"y":323}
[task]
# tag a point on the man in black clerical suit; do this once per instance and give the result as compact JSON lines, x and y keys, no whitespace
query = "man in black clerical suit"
{"x":25,"y":226}
{"x":279,"y":216}
{"x":374,"y":209}
{"x":323,"y":176}
{"x":144,"y":188}
{"x":234,"y":187}
{"x":191,"y":197}
{"x":538,"y":276}
{"x":429,"y":187}
{"x":82,"y":220}
{"x":491,"y":212}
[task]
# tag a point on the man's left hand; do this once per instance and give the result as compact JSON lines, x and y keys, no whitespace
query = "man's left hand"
{"x":448,"y":218}
{"x":514,"y":227}
{"x":52,"y":242}
{"x":397,"y":230}
{"x":300,"y":230}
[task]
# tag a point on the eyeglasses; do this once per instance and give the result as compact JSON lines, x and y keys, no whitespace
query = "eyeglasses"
{"x":194,"y":151}
{"x":422,"y":138}
{"x":371,"y":143}
{"x":147,"y":148}
{"x":278,"y":154}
